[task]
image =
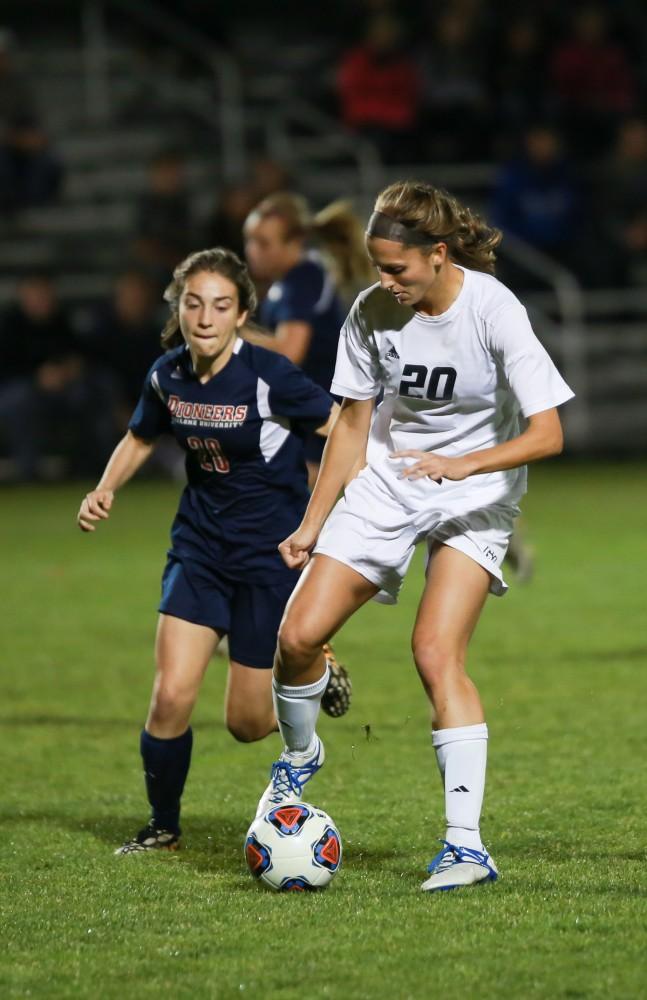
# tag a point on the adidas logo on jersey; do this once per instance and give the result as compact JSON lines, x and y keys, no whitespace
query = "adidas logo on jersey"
{"x":461,"y":788}
{"x":393,"y":354}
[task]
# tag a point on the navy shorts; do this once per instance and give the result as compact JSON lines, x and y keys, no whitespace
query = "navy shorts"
{"x":248,"y":613}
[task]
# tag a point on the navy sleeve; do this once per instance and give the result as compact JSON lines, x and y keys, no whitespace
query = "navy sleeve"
{"x":151,"y":417}
{"x":300,"y":295}
{"x":290,"y":394}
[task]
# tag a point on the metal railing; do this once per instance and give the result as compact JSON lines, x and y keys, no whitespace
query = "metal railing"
{"x":568,"y":297}
{"x":329,"y":138}
{"x":226,"y":112}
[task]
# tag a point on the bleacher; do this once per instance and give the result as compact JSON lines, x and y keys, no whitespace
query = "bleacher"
{"x":109,"y":109}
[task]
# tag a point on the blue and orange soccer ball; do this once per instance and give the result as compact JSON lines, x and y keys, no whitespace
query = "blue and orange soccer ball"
{"x":293,"y":848}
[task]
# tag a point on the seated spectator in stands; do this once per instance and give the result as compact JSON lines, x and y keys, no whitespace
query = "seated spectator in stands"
{"x":536,"y":196}
{"x":379,"y":90}
{"x":622,"y":200}
{"x":592,"y":81}
{"x":163,"y":218}
{"x":50,"y":398}
{"x":457,"y":114}
{"x":123,"y":336}
{"x":30,"y":171}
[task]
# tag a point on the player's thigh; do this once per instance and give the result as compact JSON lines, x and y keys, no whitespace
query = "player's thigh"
{"x":249,"y":712}
{"x":182,"y":653}
{"x":456,"y":589}
{"x":327,"y":594}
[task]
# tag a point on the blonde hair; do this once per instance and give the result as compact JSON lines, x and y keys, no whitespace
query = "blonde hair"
{"x":218,"y":260}
{"x":427,"y":209}
{"x":335,"y":228}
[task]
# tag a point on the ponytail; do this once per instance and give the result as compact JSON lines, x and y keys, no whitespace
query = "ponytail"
{"x":336,"y":229}
{"x":341,"y":236}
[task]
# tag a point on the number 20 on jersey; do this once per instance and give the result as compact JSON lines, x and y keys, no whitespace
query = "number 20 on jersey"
{"x":419,"y":383}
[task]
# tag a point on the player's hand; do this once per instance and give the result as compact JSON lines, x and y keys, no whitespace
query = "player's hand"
{"x":295,"y":550}
{"x":95,"y":507}
{"x":436,"y":467}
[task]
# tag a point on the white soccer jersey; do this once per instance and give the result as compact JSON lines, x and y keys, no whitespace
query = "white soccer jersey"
{"x":453,"y":383}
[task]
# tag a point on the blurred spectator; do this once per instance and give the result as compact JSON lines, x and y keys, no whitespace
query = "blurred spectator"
{"x":536,"y":196}
{"x":123,"y":336}
{"x":456,"y":102}
{"x":622,"y":197}
{"x":30,"y":171}
{"x":49,"y":396}
{"x":592,"y":81}
{"x":379,"y":90}
{"x":539,"y":198}
{"x":163,"y":222}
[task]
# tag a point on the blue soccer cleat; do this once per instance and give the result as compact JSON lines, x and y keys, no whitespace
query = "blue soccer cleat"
{"x":288,"y":777}
{"x":456,"y":866}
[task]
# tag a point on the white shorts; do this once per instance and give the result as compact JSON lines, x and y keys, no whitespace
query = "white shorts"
{"x":374,"y":534}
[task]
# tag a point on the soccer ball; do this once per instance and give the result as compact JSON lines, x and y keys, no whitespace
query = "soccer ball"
{"x":293,"y":848}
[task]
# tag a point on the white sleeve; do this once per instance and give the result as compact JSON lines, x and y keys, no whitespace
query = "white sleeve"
{"x":529,"y":371}
{"x":357,"y":371}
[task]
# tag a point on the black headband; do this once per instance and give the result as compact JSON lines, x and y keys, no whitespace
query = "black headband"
{"x":385,"y":227}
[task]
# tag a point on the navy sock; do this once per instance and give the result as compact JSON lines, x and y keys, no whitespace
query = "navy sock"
{"x":166,"y":765}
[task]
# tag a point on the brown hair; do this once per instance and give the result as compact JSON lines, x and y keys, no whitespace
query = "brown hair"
{"x":470,"y":241}
{"x":218,"y":260}
{"x":335,"y":228}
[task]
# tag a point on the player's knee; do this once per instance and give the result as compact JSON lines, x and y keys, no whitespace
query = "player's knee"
{"x":248,"y":729}
{"x":293,"y":640}
{"x":170,"y":703}
{"x":437,"y":660}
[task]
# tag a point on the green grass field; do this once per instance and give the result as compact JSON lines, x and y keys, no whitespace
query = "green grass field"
{"x":561,"y":665}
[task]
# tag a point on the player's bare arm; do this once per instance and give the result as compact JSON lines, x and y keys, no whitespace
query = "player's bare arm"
{"x":358,"y":465}
{"x":346,"y":443}
{"x":291,"y":339}
{"x":542,"y":438}
{"x":129,"y":455}
{"x":325,"y":429}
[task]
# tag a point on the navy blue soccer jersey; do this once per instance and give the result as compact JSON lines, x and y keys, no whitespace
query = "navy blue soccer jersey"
{"x":307,"y":293}
{"x":242,"y":433}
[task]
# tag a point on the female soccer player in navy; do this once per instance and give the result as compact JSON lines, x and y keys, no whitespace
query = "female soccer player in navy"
{"x":312,"y":261}
{"x":239,"y":412}
{"x":453,"y":352}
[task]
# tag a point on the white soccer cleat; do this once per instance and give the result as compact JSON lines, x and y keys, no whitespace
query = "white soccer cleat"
{"x":456,"y":866}
{"x":288,"y":778}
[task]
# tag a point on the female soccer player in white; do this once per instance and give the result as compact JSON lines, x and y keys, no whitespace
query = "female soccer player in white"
{"x":455,"y":356}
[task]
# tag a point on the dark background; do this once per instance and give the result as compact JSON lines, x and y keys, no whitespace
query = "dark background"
{"x":132,"y":133}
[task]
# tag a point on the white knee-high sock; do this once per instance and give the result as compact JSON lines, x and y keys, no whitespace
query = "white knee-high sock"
{"x":462,"y":755}
{"x":296,"y":710}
